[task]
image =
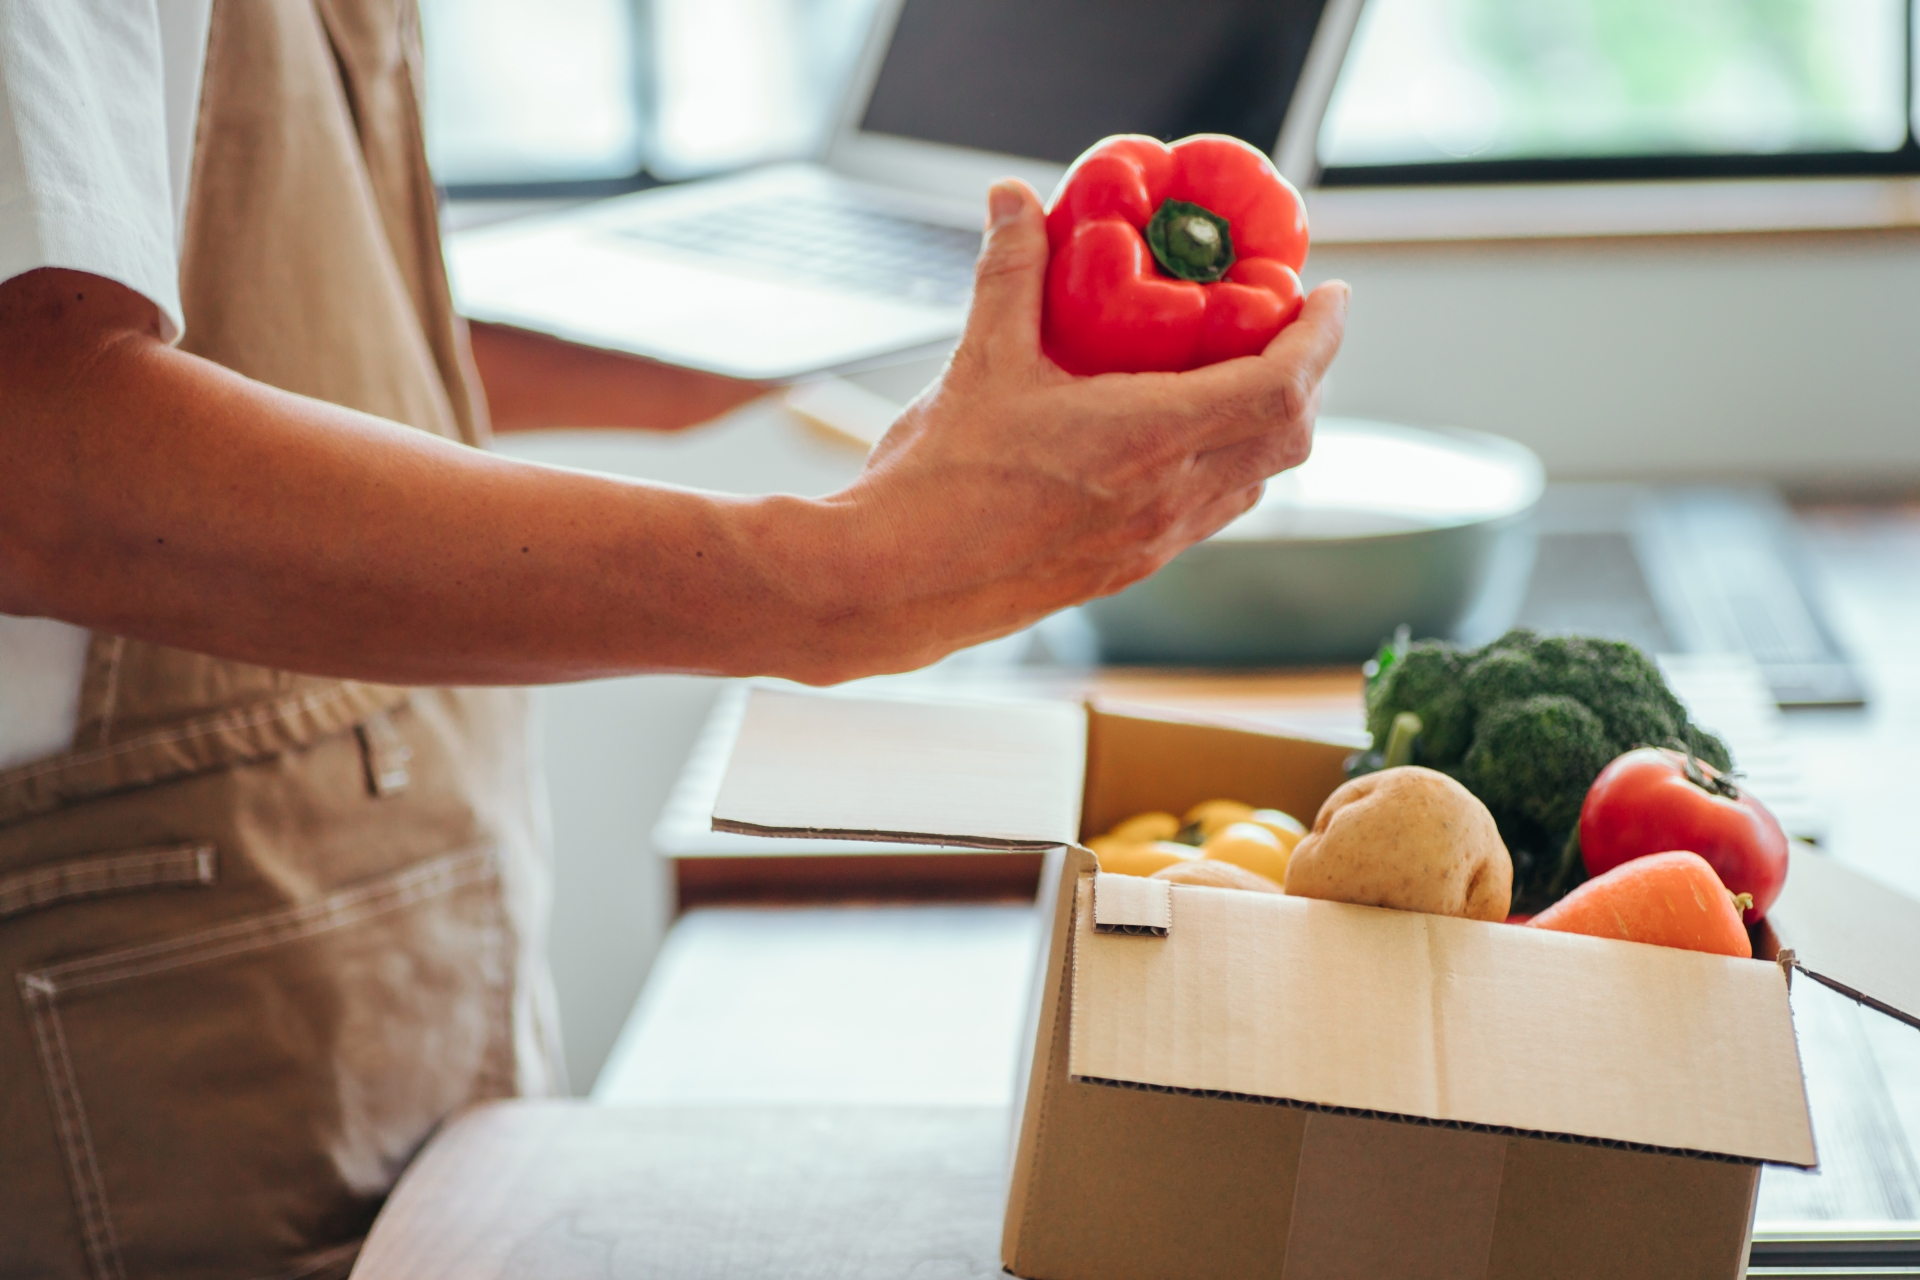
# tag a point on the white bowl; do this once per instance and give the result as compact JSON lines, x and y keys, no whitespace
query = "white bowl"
{"x":1383,"y":526}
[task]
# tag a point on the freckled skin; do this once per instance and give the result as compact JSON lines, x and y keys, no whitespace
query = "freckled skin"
{"x":1408,"y":838}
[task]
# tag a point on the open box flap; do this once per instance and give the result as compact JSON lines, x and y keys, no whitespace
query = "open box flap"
{"x":1450,"y":1020}
{"x":1850,"y":932}
{"x":984,"y":775}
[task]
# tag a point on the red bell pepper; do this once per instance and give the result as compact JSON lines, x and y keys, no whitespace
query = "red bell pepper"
{"x":1170,"y":257}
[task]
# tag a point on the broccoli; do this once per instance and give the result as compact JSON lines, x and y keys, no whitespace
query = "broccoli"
{"x":1526,"y":724}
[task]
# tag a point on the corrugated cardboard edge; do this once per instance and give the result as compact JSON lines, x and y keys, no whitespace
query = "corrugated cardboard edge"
{"x":1464,"y":1126}
{"x":885,"y":837}
{"x":1044,"y":904}
{"x":1787,"y":965}
{"x":998,"y":775}
{"x":1132,"y":904}
{"x":1076,"y":865}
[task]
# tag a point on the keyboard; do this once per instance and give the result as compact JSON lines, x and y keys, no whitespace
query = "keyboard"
{"x":822,"y":241}
{"x":1694,"y":570}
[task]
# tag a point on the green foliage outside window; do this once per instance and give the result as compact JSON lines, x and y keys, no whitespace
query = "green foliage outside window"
{"x":1500,"y":79}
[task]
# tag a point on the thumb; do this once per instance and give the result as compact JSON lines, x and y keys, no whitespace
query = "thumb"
{"x":1011,"y":275}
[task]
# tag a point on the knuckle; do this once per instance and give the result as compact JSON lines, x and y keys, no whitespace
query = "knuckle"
{"x":1292,"y":396}
{"x":1292,"y":445}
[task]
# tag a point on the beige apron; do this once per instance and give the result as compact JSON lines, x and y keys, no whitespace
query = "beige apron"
{"x":266,"y":930}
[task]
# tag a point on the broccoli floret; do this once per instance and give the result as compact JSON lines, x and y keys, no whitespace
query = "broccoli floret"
{"x":1536,"y":758}
{"x":1526,"y":723}
{"x":1425,"y":680}
{"x":1504,"y":674}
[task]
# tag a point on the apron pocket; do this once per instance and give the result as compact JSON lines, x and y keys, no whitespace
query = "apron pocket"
{"x":235,"y":1103}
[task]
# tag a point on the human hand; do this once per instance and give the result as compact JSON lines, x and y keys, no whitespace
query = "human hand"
{"x":1011,"y":489}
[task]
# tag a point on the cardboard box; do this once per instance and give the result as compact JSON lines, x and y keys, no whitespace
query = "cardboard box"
{"x":1227,"y":1084}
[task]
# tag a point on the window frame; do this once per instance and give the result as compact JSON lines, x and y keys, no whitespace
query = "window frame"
{"x":1903,"y":162}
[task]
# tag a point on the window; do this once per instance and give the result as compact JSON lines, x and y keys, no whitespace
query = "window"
{"x":1525,"y":90}
{"x":533,"y":91}
{"x":583,"y":96}
{"x":555,"y":96}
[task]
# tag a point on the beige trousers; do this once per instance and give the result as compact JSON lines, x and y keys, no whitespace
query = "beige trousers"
{"x":266,"y":931}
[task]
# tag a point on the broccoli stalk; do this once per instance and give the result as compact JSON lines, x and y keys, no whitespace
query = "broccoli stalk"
{"x":1526,"y":723}
{"x":1400,"y":740}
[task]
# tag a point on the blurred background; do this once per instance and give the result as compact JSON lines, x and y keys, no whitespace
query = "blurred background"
{"x":1481,"y":162}
{"x":616,"y":91}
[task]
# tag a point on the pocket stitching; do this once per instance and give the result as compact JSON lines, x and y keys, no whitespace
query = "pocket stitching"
{"x":349,"y":906}
{"x":40,"y":988}
{"x":42,"y":887}
{"x":242,"y":718}
{"x":83,"y":1165}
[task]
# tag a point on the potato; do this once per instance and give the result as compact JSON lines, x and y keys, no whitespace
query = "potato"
{"x":1217,"y":875}
{"x":1408,"y":838}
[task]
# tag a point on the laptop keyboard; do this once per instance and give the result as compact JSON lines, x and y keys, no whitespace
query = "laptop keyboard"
{"x":829,"y":242}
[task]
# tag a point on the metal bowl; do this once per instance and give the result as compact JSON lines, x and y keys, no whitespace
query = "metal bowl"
{"x":1383,"y":526}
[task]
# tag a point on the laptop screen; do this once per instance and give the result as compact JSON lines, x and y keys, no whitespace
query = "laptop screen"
{"x":1045,"y":79}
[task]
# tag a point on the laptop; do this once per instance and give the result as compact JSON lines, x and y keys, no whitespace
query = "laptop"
{"x":866,"y":254}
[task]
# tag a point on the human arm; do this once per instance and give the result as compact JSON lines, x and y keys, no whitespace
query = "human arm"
{"x":160,"y":496}
{"x":535,"y":382}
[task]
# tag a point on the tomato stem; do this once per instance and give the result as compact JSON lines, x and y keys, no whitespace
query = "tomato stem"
{"x":1705,"y":776}
{"x":1190,"y":241}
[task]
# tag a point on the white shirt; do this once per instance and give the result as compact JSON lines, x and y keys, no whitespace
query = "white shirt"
{"x":98,"y":103}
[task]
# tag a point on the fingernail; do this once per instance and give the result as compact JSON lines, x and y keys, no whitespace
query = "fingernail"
{"x":1004,"y":204}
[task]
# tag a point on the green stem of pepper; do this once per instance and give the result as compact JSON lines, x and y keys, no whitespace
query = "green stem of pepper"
{"x":1190,"y":241}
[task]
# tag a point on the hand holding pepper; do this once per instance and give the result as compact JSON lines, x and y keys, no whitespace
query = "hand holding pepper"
{"x":1170,"y":257}
{"x":1011,"y":489}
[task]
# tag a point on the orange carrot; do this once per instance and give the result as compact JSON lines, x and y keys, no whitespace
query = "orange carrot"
{"x":1667,"y":899}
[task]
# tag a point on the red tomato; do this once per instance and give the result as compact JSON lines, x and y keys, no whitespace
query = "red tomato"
{"x":1656,"y":801}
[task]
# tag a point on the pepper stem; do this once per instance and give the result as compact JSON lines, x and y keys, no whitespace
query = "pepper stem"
{"x":1406,"y":727}
{"x":1190,"y":242}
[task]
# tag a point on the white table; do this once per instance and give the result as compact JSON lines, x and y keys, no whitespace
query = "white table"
{"x":880,"y":1005}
